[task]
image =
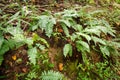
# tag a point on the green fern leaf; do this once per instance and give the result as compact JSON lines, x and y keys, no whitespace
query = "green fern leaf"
{"x":14,"y":17}
{"x":7,"y":45}
{"x":69,"y":13}
{"x":78,"y":27}
{"x":51,"y":75}
{"x":87,"y":37}
{"x":106,"y":30}
{"x":109,"y":28}
{"x":66,"y":22}
{"x":66,"y":31}
{"x":29,"y":41}
{"x":1,"y":59}
{"x":49,"y":29}
{"x":46,"y":23}
{"x":11,"y":43}
{"x":105,"y":50}
{"x":4,"y":47}
{"x":1,"y":40}
{"x":82,"y":46}
{"x":92,"y":31}
{"x":14,"y":30}
{"x":34,"y":27}
{"x":32,"y":54}
{"x":73,"y":37}
{"x":96,"y":39}
{"x":67,"y":50}
{"x":38,"y":38}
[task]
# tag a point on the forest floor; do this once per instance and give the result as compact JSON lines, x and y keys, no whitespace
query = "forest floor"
{"x":15,"y":65}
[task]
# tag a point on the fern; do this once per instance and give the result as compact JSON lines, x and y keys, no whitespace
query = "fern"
{"x":67,"y":50}
{"x":1,"y":39}
{"x":66,"y":31}
{"x":15,"y":41}
{"x":14,"y":30}
{"x":6,"y":46}
{"x":98,"y":40}
{"x":42,"y":40}
{"x":87,"y":37}
{"x":92,"y":31}
{"x":78,"y":27}
{"x":51,"y":75}
{"x":82,"y":46}
{"x":32,"y":54}
{"x":67,"y":13}
{"x":105,"y":51}
{"x":111,"y":48}
{"x":32,"y":74}
{"x":66,"y":20}
{"x":45,"y":23}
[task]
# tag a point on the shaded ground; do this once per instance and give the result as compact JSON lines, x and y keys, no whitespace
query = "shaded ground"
{"x":15,"y":63}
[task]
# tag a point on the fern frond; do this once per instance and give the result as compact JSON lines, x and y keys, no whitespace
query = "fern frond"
{"x":46,"y":23}
{"x":51,"y":75}
{"x":32,"y":54}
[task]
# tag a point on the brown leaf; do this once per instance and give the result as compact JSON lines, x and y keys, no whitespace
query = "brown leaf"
{"x":24,"y":70}
{"x":33,"y":1}
{"x":118,"y":72}
{"x":14,"y":57}
{"x":60,"y":66}
{"x":60,"y":30}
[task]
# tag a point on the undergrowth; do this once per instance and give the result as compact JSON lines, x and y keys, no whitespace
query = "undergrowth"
{"x":80,"y":28}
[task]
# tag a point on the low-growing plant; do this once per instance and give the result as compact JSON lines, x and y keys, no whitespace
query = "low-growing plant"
{"x":81,"y":29}
{"x":96,"y":71}
{"x":52,"y":75}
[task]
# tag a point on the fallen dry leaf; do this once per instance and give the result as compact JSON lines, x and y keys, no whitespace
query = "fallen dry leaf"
{"x":118,"y":23}
{"x":33,"y":1}
{"x":118,"y":72}
{"x":24,"y":70}
{"x":60,"y":30}
{"x":14,"y":57}
{"x":60,"y":66}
